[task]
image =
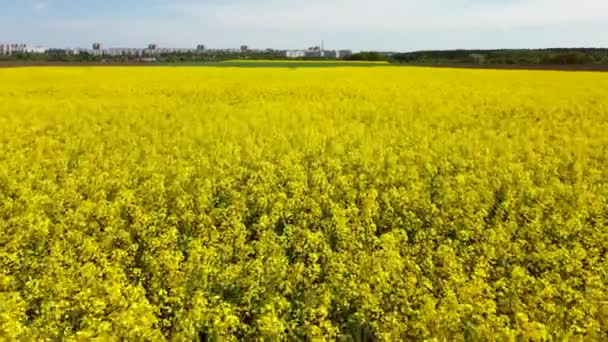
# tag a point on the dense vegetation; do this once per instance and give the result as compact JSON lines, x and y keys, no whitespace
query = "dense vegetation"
{"x":241,"y":63}
{"x":341,"y":204}
{"x":212,"y":56}
{"x":368,"y":56}
{"x":507,"y":57}
{"x":582,"y":56}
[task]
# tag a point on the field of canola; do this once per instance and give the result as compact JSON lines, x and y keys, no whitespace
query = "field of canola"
{"x":352,"y":204}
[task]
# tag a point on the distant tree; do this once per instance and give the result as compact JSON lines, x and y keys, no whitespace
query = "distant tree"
{"x":368,"y":56}
{"x":512,"y":57}
{"x":574,"y":57}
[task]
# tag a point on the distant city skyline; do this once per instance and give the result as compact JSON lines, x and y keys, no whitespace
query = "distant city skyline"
{"x":389,"y":25}
{"x":154,"y":50}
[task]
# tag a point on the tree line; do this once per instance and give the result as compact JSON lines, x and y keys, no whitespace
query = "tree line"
{"x":579,"y":56}
{"x":561,"y":56}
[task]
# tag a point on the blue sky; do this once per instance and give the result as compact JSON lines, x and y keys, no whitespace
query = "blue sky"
{"x":398,"y":25}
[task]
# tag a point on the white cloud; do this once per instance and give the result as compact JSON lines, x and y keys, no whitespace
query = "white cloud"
{"x":40,"y":5}
{"x":357,"y":24}
{"x":394,"y":15}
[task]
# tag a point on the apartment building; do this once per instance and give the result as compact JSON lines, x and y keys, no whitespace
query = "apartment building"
{"x":11,"y":48}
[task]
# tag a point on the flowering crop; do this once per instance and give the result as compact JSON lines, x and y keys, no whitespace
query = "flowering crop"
{"x":320,"y":203}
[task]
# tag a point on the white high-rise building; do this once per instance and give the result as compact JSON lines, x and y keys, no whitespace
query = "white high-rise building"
{"x":11,"y":48}
{"x":295,"y":53}
{"x":35,"y":49}
{"x":345,"y":53}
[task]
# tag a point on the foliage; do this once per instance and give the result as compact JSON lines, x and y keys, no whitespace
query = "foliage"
{"x":292,"y":64}
{"x":575,"y":57}
{"x":60,"y":55}
{"x":509,"y":57}
{"x":368,"y":56}
{"x":315,"y":204}
{"x":208,"y":56}
{"x":565,"y":56}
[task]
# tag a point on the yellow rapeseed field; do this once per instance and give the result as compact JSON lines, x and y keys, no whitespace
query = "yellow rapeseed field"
{"x":353,"y":204}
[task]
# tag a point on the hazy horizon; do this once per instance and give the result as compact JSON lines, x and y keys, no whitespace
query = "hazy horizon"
{"x":388,"y":25}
